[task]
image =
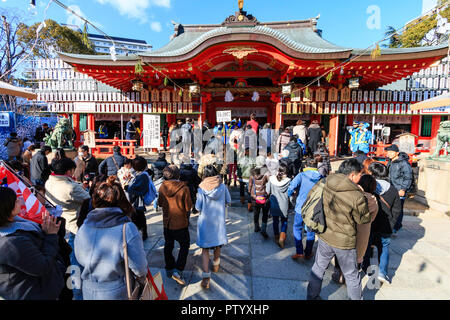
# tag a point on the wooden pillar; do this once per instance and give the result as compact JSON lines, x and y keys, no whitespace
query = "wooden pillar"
{"x":91,"y":122}
{"x":278,"y":116}
{"x":415,"y":126}
{"x":435,"y":126}
{"x":333,"y":134}
{"x":76,"y":128}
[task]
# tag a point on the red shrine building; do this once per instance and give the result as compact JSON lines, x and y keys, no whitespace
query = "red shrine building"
{"x":250,"y":61}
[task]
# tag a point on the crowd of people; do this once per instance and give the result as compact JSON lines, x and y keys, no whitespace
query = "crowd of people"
{"x":362,"y":204}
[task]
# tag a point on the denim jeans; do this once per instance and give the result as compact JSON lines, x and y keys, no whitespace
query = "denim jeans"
{"x":77,"y":293}
{"x":298,"y":236}
{"x":276,"y":225}
{"x":382,"y":242}
{"x":398,"y":224}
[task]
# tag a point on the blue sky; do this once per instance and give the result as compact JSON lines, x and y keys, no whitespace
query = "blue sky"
{"x":351,"y":23}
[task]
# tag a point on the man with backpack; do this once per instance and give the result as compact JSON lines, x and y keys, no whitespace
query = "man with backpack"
{"x":401,"y":176}
{"x":345,"y":210}
{"x":111,"y":165}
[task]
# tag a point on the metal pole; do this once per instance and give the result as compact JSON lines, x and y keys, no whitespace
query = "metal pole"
{"x":373,"y":128}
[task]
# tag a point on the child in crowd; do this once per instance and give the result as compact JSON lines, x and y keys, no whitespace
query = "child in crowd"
{"x":126,"y":173}
{"x":257,"y":189}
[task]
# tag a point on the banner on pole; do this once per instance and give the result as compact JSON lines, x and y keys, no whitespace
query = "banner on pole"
{"x":223,"y":116}
{"x":152,"y":131}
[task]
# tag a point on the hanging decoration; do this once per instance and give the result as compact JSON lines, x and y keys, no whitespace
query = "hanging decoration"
{"x":156,"y":76}
{"x":329,"y":76}
{"x":180,"y":93}
{"x":307,"y":94}
{"x":112,"y":51}
{"x":166,"y":81}
{"x":255,"y":97}
{"x":138,"y":69}
{"x":376,"y":52}
{"x":228,"y":96}
{"x":85,"y":38}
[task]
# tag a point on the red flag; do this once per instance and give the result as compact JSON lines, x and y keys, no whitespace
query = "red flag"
{"x":32,"y":209}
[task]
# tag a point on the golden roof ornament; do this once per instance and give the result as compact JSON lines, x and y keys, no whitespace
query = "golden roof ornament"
{"x":241,"y":4}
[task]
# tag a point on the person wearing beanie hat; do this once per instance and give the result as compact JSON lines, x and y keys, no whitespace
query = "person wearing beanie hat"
{"x":175,"y":200}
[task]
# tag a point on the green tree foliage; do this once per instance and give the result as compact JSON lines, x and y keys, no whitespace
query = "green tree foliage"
{"x":52,"y":38}
{"x":414,"y":34}
{"x":394,"y":40}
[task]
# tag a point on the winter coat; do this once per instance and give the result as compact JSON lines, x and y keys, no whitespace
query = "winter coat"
{"x":13,"y":147}
{"x":211,"y":230}
{"x":137,"y":189}
{"x":70,"y":195}
{"x":85,"y":166}
{"x":158,"y":167}
{"x":190,"y":176}
{"x":109,"y":167}
{"x":98,"y":248}
{"x":314,"y":136}
{"x":279,"y":201}
{"x":39,"y":168}
{"x":386,"y":216}
{"x":400,"y":172}
{"x":30,"y":266}
{"x":301,"y":131}
{"x":303,"y":183}
{"x":175,"y":200}
{"x":295,"y":154}
{"x":283,"y":139}
{"x":257,"y":185}
{"x":345,"y":207}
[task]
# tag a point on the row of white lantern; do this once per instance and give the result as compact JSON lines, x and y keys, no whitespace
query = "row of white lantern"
{"x":347,"y":108}
{"x":159,"y":107}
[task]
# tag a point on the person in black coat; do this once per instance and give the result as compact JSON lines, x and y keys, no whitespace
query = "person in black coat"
{"x":30,"y":265}
{"x":39,"y":168}
{"x":295,"y":155}
{"x":401,"y":176}
{"x":190,"y":175}
{"x":165,"y":135}
{"x":389,"y":209}
{"x":158,"y":167}
{"x":112,"y":164}
{"x":314,"y":136}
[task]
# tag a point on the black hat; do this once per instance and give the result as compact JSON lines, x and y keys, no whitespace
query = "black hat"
{"x":394,"y":147}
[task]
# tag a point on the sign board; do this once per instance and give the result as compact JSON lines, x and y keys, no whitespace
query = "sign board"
{"x":407,"y":143}
{"x":441,"y":110}
{"x":152,"y":131}
{"x":84,"y":107}
{"x":89,"y":138}
{"x":4,"y":120}
{"x":223,"y":116}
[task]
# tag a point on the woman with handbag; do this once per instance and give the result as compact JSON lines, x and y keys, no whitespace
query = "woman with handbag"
{"x":257,"y":191}
{"x":99,"y":245}
{"x":212,"y":198}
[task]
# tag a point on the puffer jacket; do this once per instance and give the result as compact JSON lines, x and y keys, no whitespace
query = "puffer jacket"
{"x":295,"y":152}
{"x":109,"y":167}
{"x":257,"y":185}
{"x":400,"y":172}
{"x":388,"y":210}
{"x":345,"y":207}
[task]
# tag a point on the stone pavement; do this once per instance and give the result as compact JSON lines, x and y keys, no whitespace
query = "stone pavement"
{"x":254,"y":268}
